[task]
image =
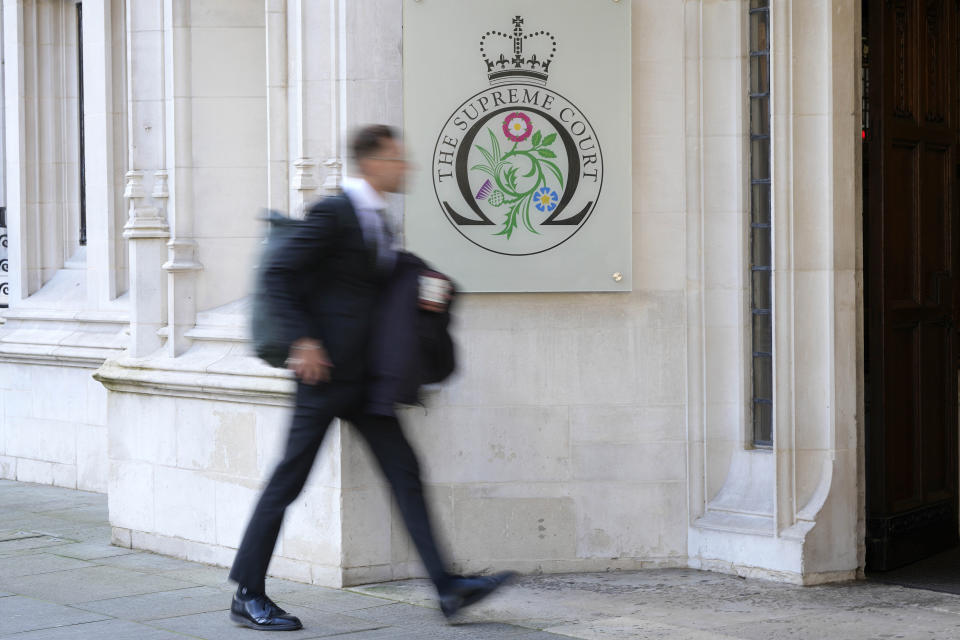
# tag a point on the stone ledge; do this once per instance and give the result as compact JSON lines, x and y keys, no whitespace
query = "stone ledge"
{"x":54,"y":355}
{"x":62,"y":337}
{"x":257,"y":384}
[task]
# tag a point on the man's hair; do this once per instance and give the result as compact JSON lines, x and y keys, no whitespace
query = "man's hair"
{"x":368,"y":140}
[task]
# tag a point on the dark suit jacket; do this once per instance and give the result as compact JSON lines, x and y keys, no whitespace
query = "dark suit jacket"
{"x":323,"y":283}
{"x":409,"y":346}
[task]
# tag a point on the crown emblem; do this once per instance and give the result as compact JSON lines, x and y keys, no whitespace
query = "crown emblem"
{"x":518,"y":56}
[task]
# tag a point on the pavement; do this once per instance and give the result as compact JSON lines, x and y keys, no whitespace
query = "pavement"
{"x":60,"y":578}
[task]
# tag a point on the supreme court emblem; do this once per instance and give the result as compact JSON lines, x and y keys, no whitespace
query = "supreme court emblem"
{"x":517,"y":168}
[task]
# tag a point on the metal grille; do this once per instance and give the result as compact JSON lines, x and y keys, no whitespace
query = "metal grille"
{"x":761,"y":250}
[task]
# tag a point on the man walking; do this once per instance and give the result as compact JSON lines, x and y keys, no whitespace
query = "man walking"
{"x":326,"y":283}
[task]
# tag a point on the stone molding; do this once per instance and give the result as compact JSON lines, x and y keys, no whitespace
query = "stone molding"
{"x":218,"y":366}
{"x":62,"y":338}
{"x":303,"y":177}
{"x":154,"y":377}
{"x":144,"y":222}
{"x":182,"y":257}
{"x":334,"y":180}
{"x":161,"y":188}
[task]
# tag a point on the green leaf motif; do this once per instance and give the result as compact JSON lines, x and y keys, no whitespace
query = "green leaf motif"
{"x":537,"y":138}
{"x":555,"y":170}
{"x":482,"y":167}
{"x":511,"y":178}
{"x":546,"y":153}
{"x":495,"y":146}
{"x":511,"y":220}
{"x":526,"y":218}
{"x":486,"y":154}
{"x":549,"y":140}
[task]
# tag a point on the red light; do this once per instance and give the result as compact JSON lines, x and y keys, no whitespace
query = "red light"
{"x":863,"y":134}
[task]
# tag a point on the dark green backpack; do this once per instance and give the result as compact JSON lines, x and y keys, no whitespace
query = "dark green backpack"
{"x":269,"y":343}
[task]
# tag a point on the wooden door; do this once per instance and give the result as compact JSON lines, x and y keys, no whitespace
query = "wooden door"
{"x":910,"y":249}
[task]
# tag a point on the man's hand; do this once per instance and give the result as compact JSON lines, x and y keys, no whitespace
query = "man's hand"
{"x":309,"y":361}
{"x":436,"y":307}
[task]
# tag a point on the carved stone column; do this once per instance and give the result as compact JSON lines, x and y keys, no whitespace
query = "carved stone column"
{"x":147,"y":233}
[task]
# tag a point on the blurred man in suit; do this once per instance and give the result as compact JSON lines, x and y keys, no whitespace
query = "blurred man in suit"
{"x":325,"y":285}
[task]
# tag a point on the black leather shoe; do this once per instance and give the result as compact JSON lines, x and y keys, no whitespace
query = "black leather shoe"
{"x":463,"y":591}
{"x":260,"y":612}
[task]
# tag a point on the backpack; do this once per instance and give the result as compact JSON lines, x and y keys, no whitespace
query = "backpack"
{"x":269,"y":343}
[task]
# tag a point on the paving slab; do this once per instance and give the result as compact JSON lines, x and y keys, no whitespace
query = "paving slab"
{"x":90,"y":550}
{"x":56,"y":527}
{"x":426,"y":620}
{"x":164,"y":604}
{"x":92,"y":513}
{"x":391,"y":633}
{"x":401,"y":615}
{"x":218,"y":626}
{"x":106,"y":630}
{"x":36,"y":541}
{"x":145,"y":562}
{"x":36,"y":563}
{"x":19,"y":614}
{"x":329,"y":600}
{"x":633,"y":628}
{"x":440,"y":633}
{"x":77,"y":532}
{"x":680,"y":604}
{"x":15,"y":534}
{"x":88,"y":584}
{"x":863,"y":624}
{"x":202,"y":574}
{"x":446,"y":633}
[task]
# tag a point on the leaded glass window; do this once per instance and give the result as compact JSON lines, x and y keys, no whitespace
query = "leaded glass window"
{"x":80,"y":124}
{"x":761,"y":249}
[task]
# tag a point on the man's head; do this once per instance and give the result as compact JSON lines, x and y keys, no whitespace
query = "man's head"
{"x":380,"y":157}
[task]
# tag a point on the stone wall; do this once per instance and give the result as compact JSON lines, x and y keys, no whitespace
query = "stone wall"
{"x":53,"y":427}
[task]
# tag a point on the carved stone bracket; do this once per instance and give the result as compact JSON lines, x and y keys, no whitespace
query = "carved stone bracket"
{"x":303,"y":178}
{"x":160,"y":186}
{"x":143,"y":222}
{"x":133,"y":190}
{"x":331,"y":184}
{"x":182,"y":256}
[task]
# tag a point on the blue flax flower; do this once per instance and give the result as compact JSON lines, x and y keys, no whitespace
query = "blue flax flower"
{"x":546,"y":199}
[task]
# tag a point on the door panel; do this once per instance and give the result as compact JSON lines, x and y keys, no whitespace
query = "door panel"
{"x":899,"y":231}
{"x":901,"y":412}
{"x":910,"y":243}
{"x":934,"y":398}
{"x":936,"y":176}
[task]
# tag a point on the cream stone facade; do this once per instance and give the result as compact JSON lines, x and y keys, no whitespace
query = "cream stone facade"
{"x":583,"y":432}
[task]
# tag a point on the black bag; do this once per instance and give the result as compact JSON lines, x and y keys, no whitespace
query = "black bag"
{"x":269,"y":343}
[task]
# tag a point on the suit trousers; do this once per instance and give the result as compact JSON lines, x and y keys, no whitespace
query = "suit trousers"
{"x":316,"y":407}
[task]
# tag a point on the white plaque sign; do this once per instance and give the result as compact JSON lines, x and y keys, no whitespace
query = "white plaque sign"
{"x":517,"y":116}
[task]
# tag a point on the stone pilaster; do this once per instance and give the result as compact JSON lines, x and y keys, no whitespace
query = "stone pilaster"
{"x":147,"y":233}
